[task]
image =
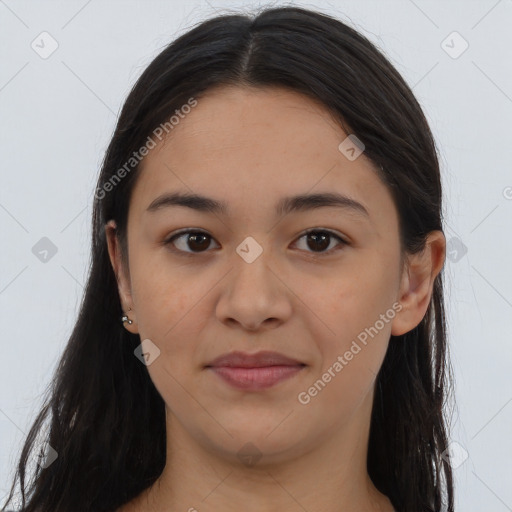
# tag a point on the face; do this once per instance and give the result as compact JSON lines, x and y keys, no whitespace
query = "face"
{"x":248,"y":277}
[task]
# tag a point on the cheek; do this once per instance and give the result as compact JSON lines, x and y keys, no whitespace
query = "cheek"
{"x":161,"y":295}
{"x":357,"y":309}
{"x":363,"y":290}
{"x":347,"y":376}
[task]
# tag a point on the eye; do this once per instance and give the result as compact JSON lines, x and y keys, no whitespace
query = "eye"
{"x":321,"y":239}
{"x":190,"y":242}
{"x":198,"y":241}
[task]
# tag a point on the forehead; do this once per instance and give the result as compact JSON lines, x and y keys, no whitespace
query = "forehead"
{"x":250,"y":147}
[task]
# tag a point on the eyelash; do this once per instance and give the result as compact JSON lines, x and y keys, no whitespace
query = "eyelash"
{"x":169,"y":242}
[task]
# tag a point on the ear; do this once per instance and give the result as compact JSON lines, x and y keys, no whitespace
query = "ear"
{"x":417,"y":283}
{"x":123,"y":281}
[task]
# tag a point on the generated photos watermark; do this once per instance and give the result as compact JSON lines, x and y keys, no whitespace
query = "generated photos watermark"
{"x":159,"y":133}
{"x":304,"y":397}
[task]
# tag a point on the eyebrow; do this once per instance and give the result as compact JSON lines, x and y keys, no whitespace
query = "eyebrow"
{"x":297,"y":203}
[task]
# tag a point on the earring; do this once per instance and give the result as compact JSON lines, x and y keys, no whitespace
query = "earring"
{"x":126,"y":319}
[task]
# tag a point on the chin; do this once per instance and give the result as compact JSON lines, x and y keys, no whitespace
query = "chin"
{"x":261,"y":442}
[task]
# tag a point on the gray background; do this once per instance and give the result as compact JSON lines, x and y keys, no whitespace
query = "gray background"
{"x":56,"y":117}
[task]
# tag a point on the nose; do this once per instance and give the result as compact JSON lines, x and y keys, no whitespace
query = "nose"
{"x":253,"y":296}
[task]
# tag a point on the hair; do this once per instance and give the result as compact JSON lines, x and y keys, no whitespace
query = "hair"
{"x":106,"y":420}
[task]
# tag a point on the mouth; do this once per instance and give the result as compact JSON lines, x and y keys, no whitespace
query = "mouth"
{"x":254,"y":371}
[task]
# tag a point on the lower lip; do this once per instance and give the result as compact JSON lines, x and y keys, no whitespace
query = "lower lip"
{"x":256,"y":378}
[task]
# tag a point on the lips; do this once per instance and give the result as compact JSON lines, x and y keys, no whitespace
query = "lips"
{"x":253,"y":372}
{"x":258,"y":360}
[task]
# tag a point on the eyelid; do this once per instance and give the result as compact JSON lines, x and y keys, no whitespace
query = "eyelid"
{"x":342,"y":241}
{"x":325,"y":230}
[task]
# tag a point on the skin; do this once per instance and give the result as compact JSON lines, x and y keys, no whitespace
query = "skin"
{"x":250,"y":147}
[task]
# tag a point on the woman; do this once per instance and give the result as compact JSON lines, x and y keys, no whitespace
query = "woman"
{"x":263,"y":326}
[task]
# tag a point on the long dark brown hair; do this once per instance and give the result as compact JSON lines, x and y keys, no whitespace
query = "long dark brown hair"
{"x":103,"y":415}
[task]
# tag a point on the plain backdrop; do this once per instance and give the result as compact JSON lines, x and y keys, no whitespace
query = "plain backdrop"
{"x":58,"y":111}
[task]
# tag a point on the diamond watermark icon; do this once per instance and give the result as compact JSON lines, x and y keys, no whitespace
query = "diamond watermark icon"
{"x":249,"y":454}
{"x":44,"y":250}
{"x":44,"y":45}
{"x":454,"y":45}
{"x":147,"y":352}
{"x":249,"y":249}
{"x":455,"y":454}
{"x":351,"y":147}
{"x":46,"y":457}
{"x":455,"y":249}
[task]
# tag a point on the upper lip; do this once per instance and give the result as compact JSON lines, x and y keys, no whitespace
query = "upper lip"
{"x":258,"y":360}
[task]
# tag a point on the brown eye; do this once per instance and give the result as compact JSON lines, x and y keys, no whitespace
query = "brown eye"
{"x":190,"y":241}
{"x":318,"y":241}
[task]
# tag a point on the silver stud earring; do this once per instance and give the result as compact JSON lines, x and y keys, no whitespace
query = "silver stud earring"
{"x":126,"y":319}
